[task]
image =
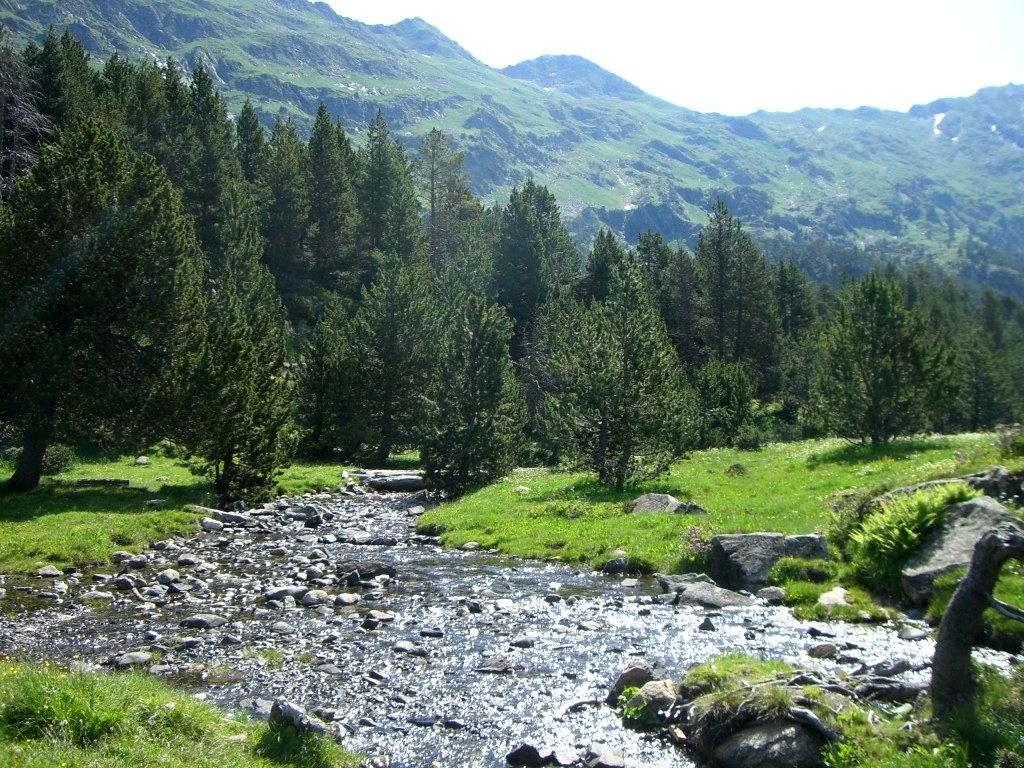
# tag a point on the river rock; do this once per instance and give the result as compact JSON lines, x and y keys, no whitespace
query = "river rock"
{"x":771,"y":744}
{"x":601,"y":755}
{"x":168,"y":576}
{"x":315,"y":597}
{"x":49,"y":572}
{"x":951,"y":545}
{"x":710,"y":596}
{"x":392,"y":481}
{"x":656,"y":695}
{"x":833,"y":598}
{"x":635,"y":676}
{"x":744,"y":560}
{"x":132,"y":659}
{"x":203,"y":621}
{"x":526,"y":755}
{"x":294,"y":591}
{"x":287,"y":713}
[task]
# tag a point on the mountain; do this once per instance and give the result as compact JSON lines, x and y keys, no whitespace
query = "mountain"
{"x":940,"y":183}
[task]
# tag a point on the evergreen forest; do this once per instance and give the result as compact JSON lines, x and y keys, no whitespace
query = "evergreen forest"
{"x":249,"y":293}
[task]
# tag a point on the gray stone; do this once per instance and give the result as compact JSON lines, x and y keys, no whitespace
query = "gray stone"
{"x":772,"y":595}
{"x":601,"y":755}
{"x":282,"y":628}
{"x":120,"y":556}
{"x":523,"y":641}
{"x":411,"y":648}
{"x":743,"y":560}
{"x":656,"y":695}
{"x":315,"y":597}
{"x":951,"y":545}
{"x":617,"y":566}
{"x":209,"y":524}
{"x":711,"y":596}
{"x":772,"y":744}
{"x":823,"y":651}
{"x":833,"y":598}
{"x":168,"y":576}
{"x":812,"y":546}
{"x":133,"y":659}
{"x":203,"y":621}
{"x":286,"y":713}
{"x":294,"y":591}
{"x":49,"y":572}
{"x":635,"y":676}
{"x":651,"y":503}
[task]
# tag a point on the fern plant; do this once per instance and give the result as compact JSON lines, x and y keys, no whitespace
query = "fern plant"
{"x":879,"y":549}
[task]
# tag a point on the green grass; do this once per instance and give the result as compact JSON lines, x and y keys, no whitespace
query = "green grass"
{"x":50,"y":716}
{"x":63,"y":524}
{"x":787,"y":487}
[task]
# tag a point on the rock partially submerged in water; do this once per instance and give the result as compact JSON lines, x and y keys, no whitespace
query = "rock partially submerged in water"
{"x":744,"y":560}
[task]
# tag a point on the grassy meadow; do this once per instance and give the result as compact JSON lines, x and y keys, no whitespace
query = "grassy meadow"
{"x":785,"y":487}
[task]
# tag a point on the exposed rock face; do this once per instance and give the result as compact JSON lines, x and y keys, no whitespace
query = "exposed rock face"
{"x":951,"y":546}
{"x":771,"y":745}
{"x":744,"y":560}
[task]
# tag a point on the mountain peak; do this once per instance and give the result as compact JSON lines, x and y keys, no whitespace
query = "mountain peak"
{"x":573,"y":75}
{"x":425,"y":39}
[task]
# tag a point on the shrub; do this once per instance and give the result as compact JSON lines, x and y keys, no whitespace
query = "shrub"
{"x":886,"y":538}
{"x":58,"y":458}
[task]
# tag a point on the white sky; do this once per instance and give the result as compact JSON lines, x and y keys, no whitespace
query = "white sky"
{"x":738,"y":56}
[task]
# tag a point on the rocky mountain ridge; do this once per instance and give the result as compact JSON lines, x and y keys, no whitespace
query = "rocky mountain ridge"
{"x":940,"y":183}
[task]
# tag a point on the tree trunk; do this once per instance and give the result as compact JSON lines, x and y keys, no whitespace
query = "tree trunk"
{"x":30,"y":464}
{"x":952,"y":683}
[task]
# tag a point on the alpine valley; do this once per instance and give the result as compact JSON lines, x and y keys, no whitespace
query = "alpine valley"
{"x":939,"y":184}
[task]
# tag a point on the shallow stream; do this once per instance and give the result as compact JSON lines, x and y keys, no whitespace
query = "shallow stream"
{"x":468,"y":655}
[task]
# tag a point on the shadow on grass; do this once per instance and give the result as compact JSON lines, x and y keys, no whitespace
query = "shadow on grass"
{"x":54,"y":497}
{"x":591,"y":490}
{"x":856,"y":453}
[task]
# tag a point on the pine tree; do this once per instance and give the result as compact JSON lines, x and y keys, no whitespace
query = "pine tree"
{"x":736,"y":315}
{"x":388,"y":210}
{"x":251,"y":145}
{"x":390,"y":359}
{"x":331,"y":203}
{"x":239,"y":430}
{"x":880,"y":373}
{"x":673,"y":281}
{"x":102,"y":276}
{"x":617,"y":387}
{"x":534,"y":256}
{"x":286,"y":229}
{"x":323,"y":384}
{"x":438,"y":170}
{"x":606,"y":255}
{"x":474,"y":411}
{"x":22,"y":125}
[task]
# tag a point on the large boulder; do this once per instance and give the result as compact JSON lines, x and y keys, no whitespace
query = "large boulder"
{"x":951,"y":545}
{"x":771,"y":745}
{"x":744,"y":560}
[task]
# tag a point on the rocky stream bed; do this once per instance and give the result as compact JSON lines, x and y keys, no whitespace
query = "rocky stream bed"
{"x":415,"y":655}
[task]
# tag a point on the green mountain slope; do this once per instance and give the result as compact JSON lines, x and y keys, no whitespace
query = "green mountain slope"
{"x":919,"y":185}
